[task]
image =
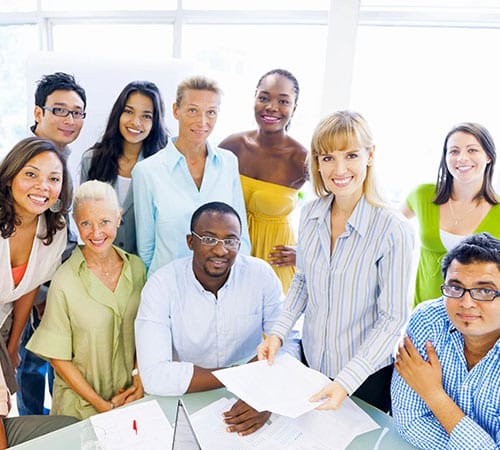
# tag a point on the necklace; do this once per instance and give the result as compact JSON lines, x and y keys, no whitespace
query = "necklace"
{"x":455,"y":219}
{"x":111,"y":269}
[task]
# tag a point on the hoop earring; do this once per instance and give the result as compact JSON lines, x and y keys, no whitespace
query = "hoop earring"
{"x":57,"y":206}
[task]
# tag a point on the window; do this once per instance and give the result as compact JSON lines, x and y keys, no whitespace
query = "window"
{"x":130,"y":40}
{"x":108,"y":5}
{"x":413,"y":84}
{"x":240,"y":54}
{"x":15,"y":44}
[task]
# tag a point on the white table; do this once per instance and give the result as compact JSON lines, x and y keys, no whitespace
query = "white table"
{"x":69,"y":438}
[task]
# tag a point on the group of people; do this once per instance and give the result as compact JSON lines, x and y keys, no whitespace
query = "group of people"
{"x":186,"y":251}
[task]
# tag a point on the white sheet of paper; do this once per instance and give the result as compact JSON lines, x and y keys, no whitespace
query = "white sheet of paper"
{"x":283,"y":388}
{"x":154,"y":432}
{"x":315,"y":430}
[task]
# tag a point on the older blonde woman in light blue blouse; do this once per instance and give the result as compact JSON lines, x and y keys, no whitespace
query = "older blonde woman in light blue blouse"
{"x":87,"y":331}
{"x":354,"y":268}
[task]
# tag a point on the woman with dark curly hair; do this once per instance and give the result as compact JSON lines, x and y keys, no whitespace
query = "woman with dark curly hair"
{"x":135,"y":131}
{"x":34,"y":198}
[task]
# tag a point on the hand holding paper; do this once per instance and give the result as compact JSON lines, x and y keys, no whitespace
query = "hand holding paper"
{"x":334,"y":393}
{"x":283,"y":388}
{"x":269,"y":348}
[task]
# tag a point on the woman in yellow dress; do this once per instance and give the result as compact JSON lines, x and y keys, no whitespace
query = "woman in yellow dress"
{"x":272,"y":168}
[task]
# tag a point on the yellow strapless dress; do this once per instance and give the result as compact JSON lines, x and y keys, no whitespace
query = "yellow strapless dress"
{"x":268,"y":207}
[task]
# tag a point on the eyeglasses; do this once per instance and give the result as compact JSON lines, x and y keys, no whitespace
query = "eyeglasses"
{"x":210,"y":241}
{"x":479,"y":294}
{"x":63,"y":112}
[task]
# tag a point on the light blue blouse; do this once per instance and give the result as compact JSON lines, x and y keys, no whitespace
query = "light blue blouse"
{"x":165,"y":197}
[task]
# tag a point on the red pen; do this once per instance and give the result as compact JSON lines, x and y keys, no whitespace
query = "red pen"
{"x":134,"y":426}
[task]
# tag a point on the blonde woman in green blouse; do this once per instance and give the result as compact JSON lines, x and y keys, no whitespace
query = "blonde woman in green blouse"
{"x":87,"y":331}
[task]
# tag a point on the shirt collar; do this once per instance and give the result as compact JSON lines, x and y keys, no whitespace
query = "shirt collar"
{"x":228,"y":282}
{"x":79,"y":265}
{"x":359,"y":220}
{"x":174,"y":157}
{"x":361,"y":216}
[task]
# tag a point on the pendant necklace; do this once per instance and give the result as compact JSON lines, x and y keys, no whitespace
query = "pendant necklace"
{"x":453,"y":213}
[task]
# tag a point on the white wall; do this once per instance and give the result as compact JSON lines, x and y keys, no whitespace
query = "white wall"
{"x":103,"y":79}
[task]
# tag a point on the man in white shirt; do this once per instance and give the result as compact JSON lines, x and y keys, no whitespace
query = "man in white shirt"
{"x":206,"y":312}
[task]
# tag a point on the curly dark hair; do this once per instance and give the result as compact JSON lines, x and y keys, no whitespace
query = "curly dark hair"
{"x":477,"y":248}
{"x":11,"y":165}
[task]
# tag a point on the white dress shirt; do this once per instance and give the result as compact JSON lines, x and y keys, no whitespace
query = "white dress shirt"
{"x":180,"y":324}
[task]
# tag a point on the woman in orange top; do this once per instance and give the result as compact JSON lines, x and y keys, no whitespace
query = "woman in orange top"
{"x":34,"y":197}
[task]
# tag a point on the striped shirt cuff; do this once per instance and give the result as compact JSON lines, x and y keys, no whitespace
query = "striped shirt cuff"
{"x":352,"y":376}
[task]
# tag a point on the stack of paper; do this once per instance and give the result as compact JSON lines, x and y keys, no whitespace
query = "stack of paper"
{"x":315,"y":430}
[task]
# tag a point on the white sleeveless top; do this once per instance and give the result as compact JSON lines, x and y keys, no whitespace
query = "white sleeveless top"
{"x":450,"y":240}
{"x":123,"y":185}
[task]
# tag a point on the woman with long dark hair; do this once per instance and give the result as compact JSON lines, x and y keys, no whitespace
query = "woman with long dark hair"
{"x":34,"y":197}
{"x":461,"y":202}
{"x":135,"y":131}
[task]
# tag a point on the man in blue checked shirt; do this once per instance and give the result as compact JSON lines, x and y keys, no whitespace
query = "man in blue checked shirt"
{"x":446,"y":387}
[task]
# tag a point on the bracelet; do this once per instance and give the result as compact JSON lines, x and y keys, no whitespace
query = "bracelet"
{"x":135,"y":372}
{"x":112,"y":404}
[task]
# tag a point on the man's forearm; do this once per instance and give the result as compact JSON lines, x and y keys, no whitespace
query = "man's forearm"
{"x":444,"y":409}
{"x":203,"y":380}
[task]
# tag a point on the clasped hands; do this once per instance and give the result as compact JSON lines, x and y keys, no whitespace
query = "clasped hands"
{"x":124,"y":396}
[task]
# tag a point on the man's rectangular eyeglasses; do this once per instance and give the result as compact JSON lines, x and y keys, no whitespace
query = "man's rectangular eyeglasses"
{"x":232,"y":243}
{"x":63,"y":112}
{"x":479,"y":294}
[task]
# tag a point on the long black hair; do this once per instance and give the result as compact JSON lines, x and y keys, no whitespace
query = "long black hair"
{"x":104,"y":164}
{"x":444,"y":185}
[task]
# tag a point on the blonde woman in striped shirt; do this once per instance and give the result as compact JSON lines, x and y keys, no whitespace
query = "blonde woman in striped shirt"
{"x":354,"y":269}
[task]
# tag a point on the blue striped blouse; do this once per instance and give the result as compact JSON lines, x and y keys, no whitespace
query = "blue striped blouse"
{"x":356,"y":298}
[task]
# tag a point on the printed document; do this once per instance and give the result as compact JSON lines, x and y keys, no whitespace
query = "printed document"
{"x":283,"y":388}
{"x":315,"y":430}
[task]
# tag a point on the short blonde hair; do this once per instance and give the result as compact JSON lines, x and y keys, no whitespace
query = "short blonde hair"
{"x":197,"y":83}
{"x":94,"y":191}
{"x":343,"y":130}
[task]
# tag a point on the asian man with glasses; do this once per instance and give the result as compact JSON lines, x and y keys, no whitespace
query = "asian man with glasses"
{"x":446,"y":387}
{"x":59,"y":115}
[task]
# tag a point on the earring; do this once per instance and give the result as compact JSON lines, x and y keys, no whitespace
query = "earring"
{"x":57,"y":206}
